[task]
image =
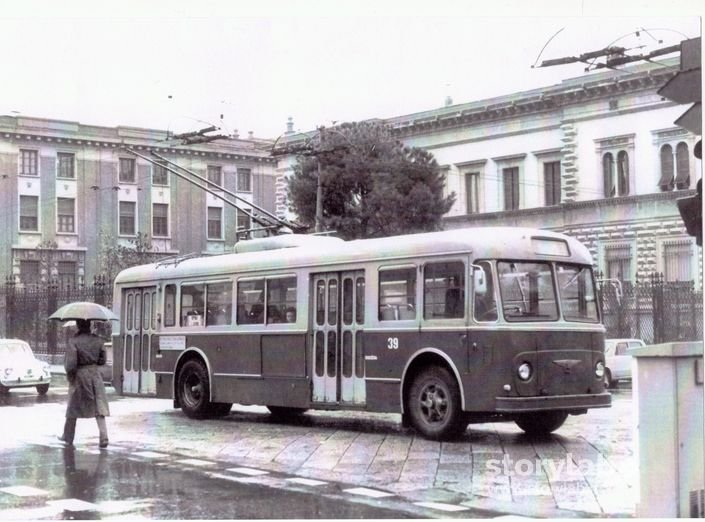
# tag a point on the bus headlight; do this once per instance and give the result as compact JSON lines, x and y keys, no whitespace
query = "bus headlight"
{"x":524,"y":371}
{"x":600,"y":370}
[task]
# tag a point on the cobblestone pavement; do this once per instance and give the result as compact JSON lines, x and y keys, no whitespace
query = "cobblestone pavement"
{"x":587,"y":469}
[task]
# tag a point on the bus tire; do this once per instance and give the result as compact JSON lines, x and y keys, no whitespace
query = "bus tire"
{"x":285,"y":412}
{"x":42,"y":389}
{"x":194,"y":390}
{"x":541,"y":422}
{"x":433,"y":404}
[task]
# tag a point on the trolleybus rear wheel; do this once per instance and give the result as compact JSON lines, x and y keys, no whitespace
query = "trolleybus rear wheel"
{"x":194,"y":390}
{"x":541,"y":422}
{"x":433,"y":404}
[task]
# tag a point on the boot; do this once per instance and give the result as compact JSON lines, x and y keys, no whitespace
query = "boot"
{"x":69,"y":432}
{"x":103,"y":431}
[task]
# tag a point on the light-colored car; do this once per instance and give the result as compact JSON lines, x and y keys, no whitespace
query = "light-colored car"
{"x":19,"y":368}
{"x":618,"y":360}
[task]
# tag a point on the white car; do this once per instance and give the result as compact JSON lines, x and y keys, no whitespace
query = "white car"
{"x":20,"y":369}
{"x":618,"y":361}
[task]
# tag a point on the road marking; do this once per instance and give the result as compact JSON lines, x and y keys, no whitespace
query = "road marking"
{"x":248,"y":471}
{"x":441,"y":506}
{"x":366,"y":492}
{"x":150,"y":454}
{"x":73,"y":504}
{"x":24,"y":491}
{"x":196,"y":462}
{"x":307,"y":482}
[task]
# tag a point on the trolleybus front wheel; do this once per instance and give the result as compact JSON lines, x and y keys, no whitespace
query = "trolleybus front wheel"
{"x":433,"y":404}
{"x":194,"y":390}
{"x":541,"y":422}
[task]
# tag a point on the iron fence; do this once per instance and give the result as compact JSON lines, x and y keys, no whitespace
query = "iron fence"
{"x":24,"y":310}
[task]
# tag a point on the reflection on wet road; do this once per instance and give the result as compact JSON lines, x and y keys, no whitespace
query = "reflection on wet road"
{"x":93,"y":484}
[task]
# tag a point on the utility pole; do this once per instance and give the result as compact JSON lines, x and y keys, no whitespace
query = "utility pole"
{"x":319,"y":188}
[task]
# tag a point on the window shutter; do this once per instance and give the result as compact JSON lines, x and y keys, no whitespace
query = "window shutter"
{"x":682,"y":166}
{"x":666,"y":181}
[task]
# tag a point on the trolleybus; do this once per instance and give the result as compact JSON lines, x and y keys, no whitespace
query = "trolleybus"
{"x":446,"y":328}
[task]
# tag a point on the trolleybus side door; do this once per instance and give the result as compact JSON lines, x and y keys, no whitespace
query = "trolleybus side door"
{"x":138,"y":326}
{"x":337,"y":323}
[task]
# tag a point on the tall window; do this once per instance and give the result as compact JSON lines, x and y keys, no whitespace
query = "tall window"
{"x":618,"y":260}
{"x":160,"y":220}
{"x":244,"y":180}
{"x":215,"y":223}
{"x":126,"y":172}
{"x":127,"y":218}
{"x":666,"y":181}
{"x":65,"y":215}
{"x":616,"y":174}
{"x":29,"y":162}
{"x":65,"y":162}
{"x":677,"y":259}
{"x":682,"y":167}
{"x":552,"y":182}
{"x":623,"y":173}
{"x":29,"y":213}
{"x":66,"y":273}
{"x":29,"y":271}
{"x":472,"y":192}
{"x":510,"y":178}
{"x":160,"y":176}
{"x":215,"y":175}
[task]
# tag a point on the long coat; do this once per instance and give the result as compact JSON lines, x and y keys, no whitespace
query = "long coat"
{"x":87,"y":397}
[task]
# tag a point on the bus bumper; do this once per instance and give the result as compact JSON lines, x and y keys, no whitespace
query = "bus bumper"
{"x":553,"y":402}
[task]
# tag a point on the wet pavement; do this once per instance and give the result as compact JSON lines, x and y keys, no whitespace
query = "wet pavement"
{"x":354,"y":459}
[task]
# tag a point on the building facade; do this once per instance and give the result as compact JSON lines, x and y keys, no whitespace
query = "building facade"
{"x":68,"y":191}
{"x":597,"y":157}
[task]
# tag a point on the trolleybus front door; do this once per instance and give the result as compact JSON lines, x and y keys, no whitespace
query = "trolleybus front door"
{"x":138,"y":325}
{"x":338,"y":355}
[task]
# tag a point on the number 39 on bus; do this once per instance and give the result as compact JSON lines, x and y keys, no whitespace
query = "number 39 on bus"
{"x":445,"y":328}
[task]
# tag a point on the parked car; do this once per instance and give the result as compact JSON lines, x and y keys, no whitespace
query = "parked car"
{"x":619,"y":362}
{"x":20,"y":369}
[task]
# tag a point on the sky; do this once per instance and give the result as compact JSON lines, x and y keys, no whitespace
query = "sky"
{"x":248,"y":66}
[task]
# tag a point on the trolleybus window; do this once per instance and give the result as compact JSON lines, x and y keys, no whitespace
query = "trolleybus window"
{"x":397,"y":294}
{"x":527,"y":291}
{"x":444,"y":290}
{"x":250,"y":302}
{"x":219,"y":298}
{"x":281,"y":300}
{"x":577,"y":292}
{"x":170,"y":305}
{"x":192,"y":305}
{"x":485,"y":303}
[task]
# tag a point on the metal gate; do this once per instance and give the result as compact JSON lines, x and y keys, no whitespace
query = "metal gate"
{"x":138,"y":327}
{"x":337,"y":347}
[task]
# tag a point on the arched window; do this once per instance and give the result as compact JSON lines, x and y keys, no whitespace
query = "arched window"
{"x":608,"y":173}
{"x":623,"y":173}
{"x":682,"y":166}
{"x":666,"y":181}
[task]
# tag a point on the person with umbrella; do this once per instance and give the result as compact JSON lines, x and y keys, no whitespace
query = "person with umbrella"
{"x":85,"y":352}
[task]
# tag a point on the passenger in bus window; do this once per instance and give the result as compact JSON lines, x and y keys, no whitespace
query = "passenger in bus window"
{"x":455,"y":299}
{"x":290,"y":315}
